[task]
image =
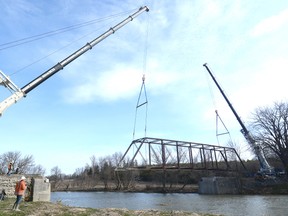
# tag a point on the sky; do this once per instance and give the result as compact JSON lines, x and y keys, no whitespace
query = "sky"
{"x":89,"y":107}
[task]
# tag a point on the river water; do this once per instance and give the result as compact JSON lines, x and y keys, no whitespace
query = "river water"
{"x":236,"y":205}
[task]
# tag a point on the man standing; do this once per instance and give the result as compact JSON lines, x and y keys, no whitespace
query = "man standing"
{"x":10,"y":167}
{"x":2,"y":195}
{"x":19,"y":192}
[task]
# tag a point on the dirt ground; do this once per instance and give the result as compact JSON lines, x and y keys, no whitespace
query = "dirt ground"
{"x":58,"y":209}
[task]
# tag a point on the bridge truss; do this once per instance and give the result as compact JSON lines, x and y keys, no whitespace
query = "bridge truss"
{"x":165,"y":154}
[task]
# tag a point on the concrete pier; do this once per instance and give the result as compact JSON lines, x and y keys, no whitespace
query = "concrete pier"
{"x":38,"y":187}
{"x":219,"y":185}
{"x":41,"y":190}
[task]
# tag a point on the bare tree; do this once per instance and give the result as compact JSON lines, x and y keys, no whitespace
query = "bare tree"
{"x":79,"y":172}
{"x":95,"y":168}
{"x":56,"y":177}
{"x":270,"y":129}
{"x":23,"y":165}
{"x":9,"y":157}
{"x":124,"y":179}
{"x":116,"y":157}
{"x":106,"y":170}
{"x":55,"y":173}
{"x":93,"y":165}
{"x":237,"y":147}
{"x":162,"y":155}
{"x":38,"y":169}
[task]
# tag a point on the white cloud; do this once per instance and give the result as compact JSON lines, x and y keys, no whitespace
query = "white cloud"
{"x":121,"y":82}
{"x":266,"y":85}
{"x":270,"y":24}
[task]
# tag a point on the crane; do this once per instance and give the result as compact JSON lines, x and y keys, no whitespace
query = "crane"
{"x":265,"y":168}
{"x":18,"y":93}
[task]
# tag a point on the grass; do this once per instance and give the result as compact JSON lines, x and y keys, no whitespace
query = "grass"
{"x":43,"y":208}
{"x":58,"y":209}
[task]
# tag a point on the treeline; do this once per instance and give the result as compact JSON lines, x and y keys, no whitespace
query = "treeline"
{"x":100,"y":174}
{"x":100,"y":171}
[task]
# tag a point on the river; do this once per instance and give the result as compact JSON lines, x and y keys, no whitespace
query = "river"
{"x":236,"y":205}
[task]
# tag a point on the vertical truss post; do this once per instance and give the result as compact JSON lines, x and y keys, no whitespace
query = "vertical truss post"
{"x":211,"y":156}
{"x":163,"y":154}
{"x":190,"y":156}
{"x":149,"y":148}
{"x":201,"y":157}
{"x":177,"y":152}
{"x":215,"y":155}
{"x":204,"y":157}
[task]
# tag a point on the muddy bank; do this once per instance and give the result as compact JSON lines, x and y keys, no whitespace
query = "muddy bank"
{"x":248,"y":186}
{"x":69,"y":185}
{"x":138,"y":188}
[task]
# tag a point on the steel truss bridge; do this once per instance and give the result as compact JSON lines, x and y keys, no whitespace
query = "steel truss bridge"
{"x":164,"y":154}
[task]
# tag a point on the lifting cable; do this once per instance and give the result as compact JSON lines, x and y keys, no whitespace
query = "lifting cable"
{"x":226,"y":132}
{"x":143,"y":88}
{"x":54,"y":32}
{"x":25,"y":40}
{"x":217,"y":132}
{"x":55,"y":51}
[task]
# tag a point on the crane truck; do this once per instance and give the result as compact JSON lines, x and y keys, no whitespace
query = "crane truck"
{"x":265,"y":168}
{"x":18,"y":93}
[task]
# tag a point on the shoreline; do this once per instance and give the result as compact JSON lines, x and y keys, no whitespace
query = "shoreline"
{"x":59,"y":209}
{"x":248,"y":188}
{"x":138,"y":188}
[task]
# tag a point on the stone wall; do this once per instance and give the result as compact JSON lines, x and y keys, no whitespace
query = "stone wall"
{"x":8,"y":184}
{"x":38,"y":188}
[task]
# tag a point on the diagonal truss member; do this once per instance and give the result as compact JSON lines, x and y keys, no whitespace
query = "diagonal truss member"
{"x":175,"y":154}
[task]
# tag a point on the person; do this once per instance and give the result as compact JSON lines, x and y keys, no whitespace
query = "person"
{"x":10,"y":167}
{"x":2,"y":195}
{"x":19,"y":192}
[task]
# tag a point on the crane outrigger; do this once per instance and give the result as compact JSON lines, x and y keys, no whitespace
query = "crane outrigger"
{"x":265,"y":168}
{"x":18,"y":93}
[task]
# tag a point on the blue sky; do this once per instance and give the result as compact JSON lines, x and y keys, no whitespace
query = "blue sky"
{"x":89,"y":107}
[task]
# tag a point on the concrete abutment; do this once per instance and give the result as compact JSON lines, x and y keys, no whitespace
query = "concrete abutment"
{"x":219,"y":185}
{"x":38,"y":187}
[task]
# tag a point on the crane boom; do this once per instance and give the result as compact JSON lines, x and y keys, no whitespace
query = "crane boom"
{"x":265,"y":167}
{"x":20,"y":93}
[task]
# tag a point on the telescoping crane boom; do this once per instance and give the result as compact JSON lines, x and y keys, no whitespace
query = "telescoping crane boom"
{"x":20,"y":93}
{"x":265,"y":168}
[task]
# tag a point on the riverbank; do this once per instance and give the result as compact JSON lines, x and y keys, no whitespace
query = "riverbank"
{"x":58,"y":209}
{"x":249,"y":186}
{"x":139,"y":187}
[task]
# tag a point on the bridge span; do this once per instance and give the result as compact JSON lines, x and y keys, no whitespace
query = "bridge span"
{"x":164,"y":154}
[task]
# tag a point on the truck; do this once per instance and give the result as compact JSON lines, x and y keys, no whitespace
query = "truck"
{"x":265,"y":168}
{"x":19,"y":93}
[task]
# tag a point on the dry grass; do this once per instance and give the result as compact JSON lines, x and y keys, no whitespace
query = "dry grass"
{"x":58,"y":209}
